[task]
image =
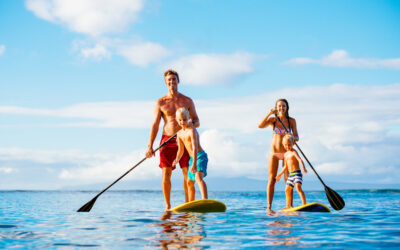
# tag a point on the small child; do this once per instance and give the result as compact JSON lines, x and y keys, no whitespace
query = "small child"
{"x":189,"y":138}
{"x":291,"y":161}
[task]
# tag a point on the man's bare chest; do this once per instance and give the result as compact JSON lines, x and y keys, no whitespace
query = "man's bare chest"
{"x":169,"y":107}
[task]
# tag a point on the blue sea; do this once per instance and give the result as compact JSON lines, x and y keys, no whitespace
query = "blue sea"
{"x":135,"y":219}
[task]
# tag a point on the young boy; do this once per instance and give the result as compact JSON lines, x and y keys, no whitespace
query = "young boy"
{"x":291,"y":161}
{"x":188,"y":138}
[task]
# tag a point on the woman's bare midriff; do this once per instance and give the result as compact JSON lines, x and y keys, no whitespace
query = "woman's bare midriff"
{"x":276,"y":145}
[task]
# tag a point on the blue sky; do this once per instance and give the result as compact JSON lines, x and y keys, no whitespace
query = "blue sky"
{"x":79,"y":79}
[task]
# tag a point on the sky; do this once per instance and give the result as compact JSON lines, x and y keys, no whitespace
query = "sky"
{"x":79,"y":81}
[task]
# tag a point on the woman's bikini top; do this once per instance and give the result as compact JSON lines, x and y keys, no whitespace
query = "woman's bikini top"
{"x":277,"y":130}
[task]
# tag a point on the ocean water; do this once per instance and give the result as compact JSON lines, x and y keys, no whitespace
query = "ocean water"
{"x":135,"y":219}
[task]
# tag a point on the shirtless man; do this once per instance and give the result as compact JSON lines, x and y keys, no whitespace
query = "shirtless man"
{"x":166,"y":108}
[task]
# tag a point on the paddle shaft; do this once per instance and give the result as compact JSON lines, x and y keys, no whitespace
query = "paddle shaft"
{"x":334,"y":198}
{"x":127,"y":172}
{"x":302,"y":153}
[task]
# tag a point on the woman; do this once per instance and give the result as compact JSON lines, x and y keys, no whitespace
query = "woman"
{"x":281,"y":111}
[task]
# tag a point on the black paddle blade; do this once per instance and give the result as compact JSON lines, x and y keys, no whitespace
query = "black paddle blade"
{"x":88,"y":206}
{"x":334,"y":199}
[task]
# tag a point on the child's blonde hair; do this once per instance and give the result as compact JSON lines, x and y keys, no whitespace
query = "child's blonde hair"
{"x":183,"y":111}
{"x":288,"y":137}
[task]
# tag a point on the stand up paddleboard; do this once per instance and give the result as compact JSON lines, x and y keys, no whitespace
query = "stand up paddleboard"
{"x":310,"y":207}
{"x":200,"y":206}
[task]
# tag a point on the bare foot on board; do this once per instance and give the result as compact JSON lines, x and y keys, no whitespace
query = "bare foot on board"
{"x":269,"y":211}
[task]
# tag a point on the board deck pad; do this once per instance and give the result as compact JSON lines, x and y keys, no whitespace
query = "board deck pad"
{"x":201,"y":206}
{"x":310,"y":207}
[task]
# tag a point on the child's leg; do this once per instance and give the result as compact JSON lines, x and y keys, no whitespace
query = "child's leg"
{"x":191,"y":190}
{"x":286,"y":175}
{"x":185,"y":183}
{"x":202,"y":185}
{"x":301,"y":193}
{"x":289,"y":196}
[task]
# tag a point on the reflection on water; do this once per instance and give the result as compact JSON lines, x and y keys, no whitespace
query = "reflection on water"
{"x":178,"y":230}
{"x":32,"y":220}
{"x":281,"y":232}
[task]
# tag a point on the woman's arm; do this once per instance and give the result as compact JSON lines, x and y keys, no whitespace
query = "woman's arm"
{"x":267,"y":120}
{"x":294,"y":129}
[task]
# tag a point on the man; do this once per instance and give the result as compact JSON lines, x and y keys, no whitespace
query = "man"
{"x":165,"y":108}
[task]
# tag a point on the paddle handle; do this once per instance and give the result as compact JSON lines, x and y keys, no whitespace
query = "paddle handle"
{"x":301,"y":151}
{"x":137,"y":164}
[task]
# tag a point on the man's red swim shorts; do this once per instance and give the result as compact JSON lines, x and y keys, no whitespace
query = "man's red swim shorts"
{"x":168,"y":154}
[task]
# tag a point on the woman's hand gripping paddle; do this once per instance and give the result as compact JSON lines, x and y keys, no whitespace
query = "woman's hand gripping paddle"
{"x":88,"y":206}
{"x":334,"y":198}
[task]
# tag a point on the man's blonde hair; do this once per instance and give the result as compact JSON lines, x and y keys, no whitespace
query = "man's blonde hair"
{"x":171,"y":72}
{"x":183,"y":111}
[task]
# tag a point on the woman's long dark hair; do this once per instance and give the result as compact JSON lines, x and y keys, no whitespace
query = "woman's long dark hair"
{"x":287,"y":110}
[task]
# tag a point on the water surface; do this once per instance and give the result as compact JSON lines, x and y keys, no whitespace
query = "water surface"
{"x":135,"y":219}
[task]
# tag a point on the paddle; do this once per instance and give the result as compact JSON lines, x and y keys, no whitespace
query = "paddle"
{"x":334,"y":198}
{"x":88,"y":206}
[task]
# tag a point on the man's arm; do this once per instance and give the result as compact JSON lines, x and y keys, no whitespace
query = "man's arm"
{"x":154,"y":130}
{"x":193,"y":114}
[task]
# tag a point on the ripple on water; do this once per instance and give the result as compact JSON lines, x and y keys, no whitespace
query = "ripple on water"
{"x":7,"y":226}
{"x":48,"y":220}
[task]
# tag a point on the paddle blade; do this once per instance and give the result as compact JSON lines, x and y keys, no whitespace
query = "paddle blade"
{"x":334,"y":199}
{"x":88,"y":206}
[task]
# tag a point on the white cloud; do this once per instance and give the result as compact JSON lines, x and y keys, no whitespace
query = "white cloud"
{"x":143,"y":54}
{"x":103,"y":114}
{"x":93,"y":17}
{"x":114,"y":167}
{"x":2,"y":49}
{"x":345,"y":130}
{"x":6,"y":170}
{"x":91,"y":167}
{"x":207,"y":69}
{"x":341,"y":58}
{"x":50,"y":156}
{"x":228,"y":157}
{"x":98,"y":52}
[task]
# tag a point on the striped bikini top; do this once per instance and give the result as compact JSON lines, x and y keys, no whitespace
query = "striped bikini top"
{"x":277,"y":130}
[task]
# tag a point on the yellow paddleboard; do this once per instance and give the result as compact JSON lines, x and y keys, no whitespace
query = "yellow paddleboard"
{"x":200,"y":206}
{"x":310,"y":207}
